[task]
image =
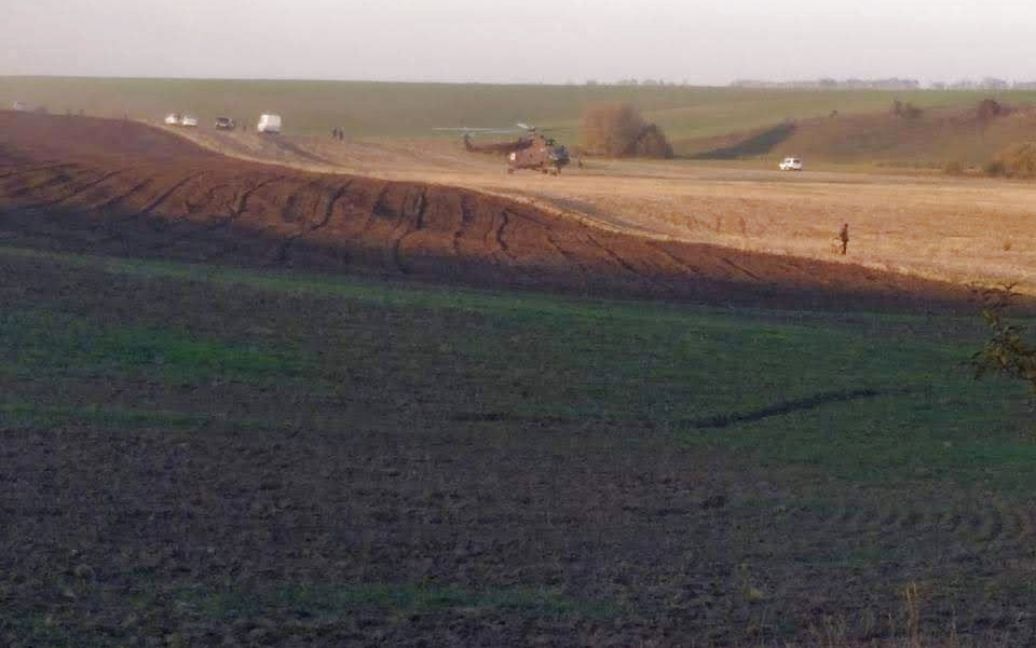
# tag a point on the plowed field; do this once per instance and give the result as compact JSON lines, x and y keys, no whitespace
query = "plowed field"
{"x":204,"y":454}
{"x":114,"y":187}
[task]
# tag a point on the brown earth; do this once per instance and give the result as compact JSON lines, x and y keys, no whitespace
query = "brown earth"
{"x":962,"y":230}
{"x":118,"y":187}
{"x":396,"y":478}
{"x":199,"y":465}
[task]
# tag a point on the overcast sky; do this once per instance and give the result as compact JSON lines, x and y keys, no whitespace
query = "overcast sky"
{"x":553,"y":41}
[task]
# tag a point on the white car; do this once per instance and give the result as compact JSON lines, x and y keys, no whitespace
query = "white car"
{"x":790,"y":164}
{"x":269,"y":123}
{"x":176,"y":119}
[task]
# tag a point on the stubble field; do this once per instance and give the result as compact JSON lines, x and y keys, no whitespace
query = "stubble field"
{"x":962,"y":230}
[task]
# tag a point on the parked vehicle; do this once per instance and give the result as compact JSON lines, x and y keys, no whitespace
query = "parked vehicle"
{"x":190,"y":121}
{"x":225,"y":123}
{"x":21,"y":106}
{"x":791,"y":164}
{"x":269,"y":123}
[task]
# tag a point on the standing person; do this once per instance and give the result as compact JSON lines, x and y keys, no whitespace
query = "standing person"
{"x":843,"y":236}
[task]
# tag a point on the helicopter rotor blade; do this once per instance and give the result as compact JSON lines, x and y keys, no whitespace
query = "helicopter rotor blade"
{"x":536,"y":129}
{"x":467,"y":130}
{"x":478,"y":131}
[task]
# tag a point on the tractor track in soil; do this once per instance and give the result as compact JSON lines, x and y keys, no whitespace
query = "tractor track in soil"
{"x":78,"y":174}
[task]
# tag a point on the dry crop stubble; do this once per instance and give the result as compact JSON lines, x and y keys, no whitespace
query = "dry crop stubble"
{"x":937,"y":227}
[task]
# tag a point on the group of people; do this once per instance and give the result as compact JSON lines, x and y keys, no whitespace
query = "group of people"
{"x":338,"y":134}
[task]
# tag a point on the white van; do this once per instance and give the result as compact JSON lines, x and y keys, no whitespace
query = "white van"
{"x":269,"y":123}
{"x":791,"y":164}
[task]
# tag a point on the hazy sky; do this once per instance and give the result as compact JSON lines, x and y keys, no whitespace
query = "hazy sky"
{"x":702,"y":41}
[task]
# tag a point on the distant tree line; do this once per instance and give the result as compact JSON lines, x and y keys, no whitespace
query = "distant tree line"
{"x":987,"y":83}
{"x":649,"y":82}
{"x":833,"y":84}
{"x":827,"y":83}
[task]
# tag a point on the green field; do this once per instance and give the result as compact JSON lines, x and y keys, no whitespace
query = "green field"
{"x":369,"y":109}
{"x":189,"y":458}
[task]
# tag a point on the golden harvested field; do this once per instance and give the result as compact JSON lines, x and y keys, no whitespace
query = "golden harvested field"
{"x":959,"y":229}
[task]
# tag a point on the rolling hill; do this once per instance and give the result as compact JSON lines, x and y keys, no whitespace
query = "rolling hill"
{"x":970,"y":135}
{"x":373,"y":109}
{"x":119,"y":187}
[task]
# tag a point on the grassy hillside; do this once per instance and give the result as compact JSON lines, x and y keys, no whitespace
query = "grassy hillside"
{"x":186,"y":457}
{"x":935,"y":137}
{"x":397,"y":109}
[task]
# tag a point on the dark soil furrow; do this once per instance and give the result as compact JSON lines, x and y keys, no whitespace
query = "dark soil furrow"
{"x":19,"y":169}
{"x":26,"y":187}
{"x":218,"y":223}
{"x":281,"y":257}
{"x":567,"y":256}
{"x":122,"y":196}
{"x":157,"y":215}
{"x":741,"y":269}
{"x":677,"y":260}
{"x":291,"y":214}
{"x":499,"y":235}
{"x":77,"y":191}
{"x":787,"y":407}
{"x":410,"y":220}
{"x":21,"y":184}
{"x":464,"y":222}
{"x":622,"y":263}
{"x":377,"y":210}
{"x":168,"y":193}
{"x":329,"y":209}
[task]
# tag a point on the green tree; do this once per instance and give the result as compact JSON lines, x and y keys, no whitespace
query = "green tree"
{"x":1006,"y":352}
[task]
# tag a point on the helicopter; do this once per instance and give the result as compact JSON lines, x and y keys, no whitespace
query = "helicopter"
{"x":532,"y":150}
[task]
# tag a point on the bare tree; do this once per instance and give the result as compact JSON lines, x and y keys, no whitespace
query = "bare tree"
{"x":618,"y":130}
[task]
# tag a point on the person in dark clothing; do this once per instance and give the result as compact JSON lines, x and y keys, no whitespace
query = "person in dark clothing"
{"x":843,"y":236}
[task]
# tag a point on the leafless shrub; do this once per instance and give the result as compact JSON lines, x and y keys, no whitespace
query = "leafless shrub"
{"x":991,"y":109}
{"x":1016,"y":161}
{"x":993,"y":168}
{"x":618,"y":130}
{"x":906,"y":110}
